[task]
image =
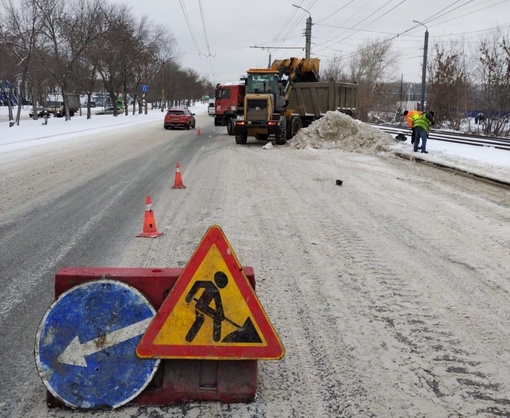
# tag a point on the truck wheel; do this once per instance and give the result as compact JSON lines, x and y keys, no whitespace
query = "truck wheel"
{"x":295,"y":127}
{"x":230,"y":126}
{"x":281,"y":137}
{"x":241,"y":139}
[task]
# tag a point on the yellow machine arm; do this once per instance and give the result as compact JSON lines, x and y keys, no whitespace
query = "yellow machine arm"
{"x":298,"y":69}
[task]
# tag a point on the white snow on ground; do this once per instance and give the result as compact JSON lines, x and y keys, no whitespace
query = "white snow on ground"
{"x":339,"y":131}
{"x":334,"y":131}
{"x":33,"y":133}
{"x":390,"y":293}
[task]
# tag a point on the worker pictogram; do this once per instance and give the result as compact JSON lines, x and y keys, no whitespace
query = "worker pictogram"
{"x":212,"y":312}
{"x":211,"y":293}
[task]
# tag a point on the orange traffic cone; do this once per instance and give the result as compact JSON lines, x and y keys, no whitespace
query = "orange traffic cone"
{"x":149,"y":223}
{"x":198,"y":131}
{"x":178,"y":178}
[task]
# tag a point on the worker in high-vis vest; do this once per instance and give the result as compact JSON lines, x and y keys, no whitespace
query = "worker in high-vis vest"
{"x":422,"y":125}
{"x":410,"y":115}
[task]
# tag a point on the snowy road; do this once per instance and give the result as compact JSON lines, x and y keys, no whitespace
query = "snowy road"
{"x":391,"y":292}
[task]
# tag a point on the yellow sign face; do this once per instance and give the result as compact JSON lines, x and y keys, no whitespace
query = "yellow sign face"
{"x":212,"y":312}
{"x":210,"y":309}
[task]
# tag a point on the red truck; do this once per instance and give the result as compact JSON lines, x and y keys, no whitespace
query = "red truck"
{"x":228,"y":104}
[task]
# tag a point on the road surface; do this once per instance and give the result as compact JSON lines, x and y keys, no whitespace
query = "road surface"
{"x":390,"y":292}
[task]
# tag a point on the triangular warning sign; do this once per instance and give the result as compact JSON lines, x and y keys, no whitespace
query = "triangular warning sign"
{"x":212,"y":311}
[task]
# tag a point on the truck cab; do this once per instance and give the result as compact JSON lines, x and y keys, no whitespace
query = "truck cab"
{"x":228,"y":104}
{"x":264,"y":104}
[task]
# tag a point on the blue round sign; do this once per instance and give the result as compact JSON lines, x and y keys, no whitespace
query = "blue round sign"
{"x":85,"y":346}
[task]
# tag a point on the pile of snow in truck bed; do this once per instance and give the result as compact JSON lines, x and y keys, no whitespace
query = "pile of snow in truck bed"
{"x":336,"y":130}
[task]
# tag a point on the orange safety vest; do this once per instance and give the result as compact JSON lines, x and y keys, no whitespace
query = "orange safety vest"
{"x":411,"y":115}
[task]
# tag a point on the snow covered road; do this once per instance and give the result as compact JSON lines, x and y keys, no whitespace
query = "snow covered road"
{"x":390,"y":292}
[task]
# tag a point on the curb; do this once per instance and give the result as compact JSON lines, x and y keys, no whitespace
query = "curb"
{"x":456,"y":169}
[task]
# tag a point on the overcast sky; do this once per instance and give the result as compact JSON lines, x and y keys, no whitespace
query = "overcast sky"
{"x":215,"y":36}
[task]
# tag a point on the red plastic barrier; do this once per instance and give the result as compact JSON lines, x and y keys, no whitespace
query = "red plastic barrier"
{"x":177,"y":381}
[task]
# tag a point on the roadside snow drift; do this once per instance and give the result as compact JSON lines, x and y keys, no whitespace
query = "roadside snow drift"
{"x":336,"y":130}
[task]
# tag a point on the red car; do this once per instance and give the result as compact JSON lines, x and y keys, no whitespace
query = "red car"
{"x":179,"y":117}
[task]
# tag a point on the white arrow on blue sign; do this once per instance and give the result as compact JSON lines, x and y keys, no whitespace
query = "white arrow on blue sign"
{"x":85,"y":346}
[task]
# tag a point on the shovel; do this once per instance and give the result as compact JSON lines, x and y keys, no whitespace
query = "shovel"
{"x":245,"y":333}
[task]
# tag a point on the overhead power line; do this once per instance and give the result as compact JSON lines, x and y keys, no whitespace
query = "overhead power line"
{"x":209,"y":55}
{"x":192,"y":33}
{"x":356,"y":30}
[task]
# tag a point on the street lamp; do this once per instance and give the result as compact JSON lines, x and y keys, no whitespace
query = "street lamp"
{"x":308,"y":31}
{"x":424,"y":69}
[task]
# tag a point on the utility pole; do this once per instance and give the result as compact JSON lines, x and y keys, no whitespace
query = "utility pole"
{"x":401,"y":106}
{"x":308,"y":36}
{"x":424,"y":69}
{"x":308,"y":32}
{"x":163,"y":86}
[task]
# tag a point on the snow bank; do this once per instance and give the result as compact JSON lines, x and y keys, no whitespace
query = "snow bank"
{"x":336,"y":130}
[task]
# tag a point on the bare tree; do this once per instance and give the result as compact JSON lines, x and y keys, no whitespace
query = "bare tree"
{"x":22,"y":24}
{"x":156,"y":46}
{"x":67,"y":29}
{"x":373,"y":63}
{"x":7,"y":70}
{"x":168,"y":57}
{"x":83,"y":45}
{"x":115,"y":53}
{"x":495,"y":81}
{"x":336,"y":69}
{"x":449,"y":85}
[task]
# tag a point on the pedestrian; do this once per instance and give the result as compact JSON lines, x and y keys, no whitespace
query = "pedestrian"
{"x":410,"y":115}
{"x":422,"y":125}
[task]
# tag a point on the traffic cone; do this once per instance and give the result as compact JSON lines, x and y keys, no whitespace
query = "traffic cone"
{"x":198,"y":131}
{"x":178,"y":178}
{"x":149,"y":223}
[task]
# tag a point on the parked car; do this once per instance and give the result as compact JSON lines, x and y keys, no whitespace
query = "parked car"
{"x":210,"y":109}
{"x":40,"y":112}
{"x":107,"y":111}
{"x":179,"y":117}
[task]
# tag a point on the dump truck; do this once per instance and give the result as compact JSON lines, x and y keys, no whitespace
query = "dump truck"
{"x":280,"y":100}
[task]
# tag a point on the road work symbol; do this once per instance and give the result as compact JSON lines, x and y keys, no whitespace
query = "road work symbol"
{"x":211,"y":293}
{"x":212,"y":311}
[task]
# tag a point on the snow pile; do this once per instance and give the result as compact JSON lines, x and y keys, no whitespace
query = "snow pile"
{"x":336,"y":130}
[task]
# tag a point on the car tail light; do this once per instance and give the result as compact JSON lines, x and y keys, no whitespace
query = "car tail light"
{"x":240,"y":122}
{"x":272,"y":123}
